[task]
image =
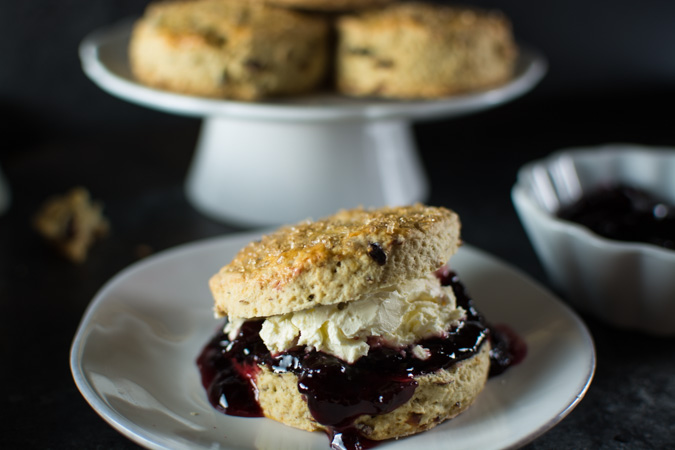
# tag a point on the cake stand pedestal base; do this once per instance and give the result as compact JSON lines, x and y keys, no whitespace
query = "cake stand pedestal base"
{"x":261,"y":173}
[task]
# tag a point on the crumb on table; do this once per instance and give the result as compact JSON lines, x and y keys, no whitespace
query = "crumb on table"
{"x":71,"y":223}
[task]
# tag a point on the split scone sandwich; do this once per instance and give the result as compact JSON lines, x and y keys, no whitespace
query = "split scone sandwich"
{"x":351,"y":324}
{"x":228,"y":49}
{"x":423,"y":50}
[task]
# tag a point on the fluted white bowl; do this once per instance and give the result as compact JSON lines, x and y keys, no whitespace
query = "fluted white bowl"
{"x":627,"y":284}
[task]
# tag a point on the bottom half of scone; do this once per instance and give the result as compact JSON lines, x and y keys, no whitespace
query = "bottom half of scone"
{"x":386,"y":366}
{"x":389,"y":393}
{"x":436,"y":397}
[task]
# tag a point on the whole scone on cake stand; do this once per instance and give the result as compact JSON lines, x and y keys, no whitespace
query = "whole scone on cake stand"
{"x":414,"y":50}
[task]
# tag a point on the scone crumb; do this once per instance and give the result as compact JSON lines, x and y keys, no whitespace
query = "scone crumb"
{"x":71,"y":223}
{"x":420,"y":352}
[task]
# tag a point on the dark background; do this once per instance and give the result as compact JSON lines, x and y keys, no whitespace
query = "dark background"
{"x":611,"y":79}
{"x":594,"y":47}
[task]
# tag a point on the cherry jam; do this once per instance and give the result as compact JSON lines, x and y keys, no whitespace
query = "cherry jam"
{"x":624,"y":213}
{"x":507,"y":348}
{"x":337,"y":392}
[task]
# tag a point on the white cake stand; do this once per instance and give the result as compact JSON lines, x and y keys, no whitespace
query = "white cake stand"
{"x":286,"y":160}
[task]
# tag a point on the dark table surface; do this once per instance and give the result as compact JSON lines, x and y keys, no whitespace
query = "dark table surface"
{"x":137,"y":170}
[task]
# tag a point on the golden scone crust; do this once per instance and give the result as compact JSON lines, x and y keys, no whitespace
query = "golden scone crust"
{"x":228,"y":49}
{"x":420,"y":50}
{"x":330,"y":5}
{"x":438,"y":397}
{"x":336,"y":259}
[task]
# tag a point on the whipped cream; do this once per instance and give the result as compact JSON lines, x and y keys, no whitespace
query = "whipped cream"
{"x":396,"y":316}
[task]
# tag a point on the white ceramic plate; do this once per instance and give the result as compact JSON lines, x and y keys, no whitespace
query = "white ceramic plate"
{"x":104,"y":59}
{"x":133,"y":359}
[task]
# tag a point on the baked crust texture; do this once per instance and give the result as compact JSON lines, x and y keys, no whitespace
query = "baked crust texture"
{"x":72,"y":223}
{"x":337,"y":259}
{"x":228,"y":49}
{"x":438,"y":397}
{"x":330,"y":5}
{"x":423,"y":50}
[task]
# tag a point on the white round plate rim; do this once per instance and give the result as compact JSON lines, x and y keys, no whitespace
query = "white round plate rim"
{"x":495,"y":421}
{"x":104,"y":60}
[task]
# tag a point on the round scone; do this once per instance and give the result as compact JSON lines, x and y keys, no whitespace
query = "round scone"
{"x":337,"y":259}
{"x":421,"y":50}
{"x":330,"y":5}
{"x":438,"y":397}
{"x":228,"y":49}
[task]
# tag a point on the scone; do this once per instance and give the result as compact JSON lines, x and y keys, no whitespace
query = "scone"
{"x":420,"y":50}
{"x":228,"y":49}
{"x":334,"y":260}
{"x":351,"y":324}
{"x":329,"y":5}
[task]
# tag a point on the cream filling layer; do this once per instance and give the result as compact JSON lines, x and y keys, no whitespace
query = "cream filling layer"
{"x":396,"y":316}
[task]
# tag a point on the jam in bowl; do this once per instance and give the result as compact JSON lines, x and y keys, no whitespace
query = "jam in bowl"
{"x":601,"y":222}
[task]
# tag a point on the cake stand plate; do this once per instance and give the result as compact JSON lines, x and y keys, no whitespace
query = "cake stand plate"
{"x":284,"y":160}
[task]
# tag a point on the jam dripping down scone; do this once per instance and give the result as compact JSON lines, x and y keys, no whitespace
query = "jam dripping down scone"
{"x":352,"y":324}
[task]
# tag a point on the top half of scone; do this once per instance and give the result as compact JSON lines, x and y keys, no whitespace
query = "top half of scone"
{"x":338,"y":259}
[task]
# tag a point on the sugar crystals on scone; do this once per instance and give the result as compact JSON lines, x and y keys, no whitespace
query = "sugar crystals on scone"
{"x":351,"y":324}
